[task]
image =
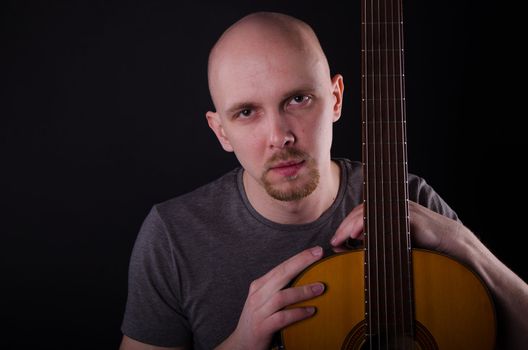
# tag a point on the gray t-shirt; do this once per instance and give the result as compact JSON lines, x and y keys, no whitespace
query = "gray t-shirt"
{"x":196,"y":255}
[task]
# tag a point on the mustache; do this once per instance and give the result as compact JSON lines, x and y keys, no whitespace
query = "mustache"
{"x":285,"y":155}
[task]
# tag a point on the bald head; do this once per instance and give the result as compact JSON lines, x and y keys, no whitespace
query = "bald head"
{"x":263,"y":37}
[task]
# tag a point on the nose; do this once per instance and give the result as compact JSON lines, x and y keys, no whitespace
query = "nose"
{"x":280,"y":132}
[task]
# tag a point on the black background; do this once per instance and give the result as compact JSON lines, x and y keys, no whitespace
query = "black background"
{"x":102,"y":115}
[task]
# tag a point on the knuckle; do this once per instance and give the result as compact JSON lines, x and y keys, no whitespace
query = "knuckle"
{"x":281,"y":319}
{"x":287,"y":317}
{"x":254,"y":286}
{"x":283,"y":269}
{"x":278,"y":301}
{"x":280,"y":298}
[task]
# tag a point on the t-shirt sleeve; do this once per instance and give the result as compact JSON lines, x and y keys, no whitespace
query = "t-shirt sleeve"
{"x":422,"y":193}
{"x":153,"y":313}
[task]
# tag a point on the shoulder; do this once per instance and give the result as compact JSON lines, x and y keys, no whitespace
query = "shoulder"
{"x":352,"y":166}
{"x":189,"y":209}
{"x":423,"y":193}
{"x":419,"y":190}
{"x":203,"y":198}
{"x":351,"y":169}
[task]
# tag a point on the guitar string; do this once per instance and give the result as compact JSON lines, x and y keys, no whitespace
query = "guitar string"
{"x":381,"y":170}
{"x":384,"y":175}
{"x":368,"y":195}
{"x":382,"y":112}
{"x":402,"y":160}
{"x":399,"y":323}
{"x":377,"y":169}
{"x":397,"y":158}
{"x":395,"y":229}
{"x":381,"y":165}
{"x":388,"y":148}
{"x":373,"y":198}
{"x":372,"y":221}
{"x":404,"y":234}
{"x":407,"y":238}
{"x":410,"y":312}
{"x":366,"y":170}
{"x":374,"y":263}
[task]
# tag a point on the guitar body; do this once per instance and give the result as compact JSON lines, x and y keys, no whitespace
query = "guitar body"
{"x":453,"y":309}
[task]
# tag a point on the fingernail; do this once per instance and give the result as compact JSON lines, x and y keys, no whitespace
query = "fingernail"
{"x":333,"y":241}
{"x":317,"y":251}
{"x":317,"y":289}
{"x":310,"y":310}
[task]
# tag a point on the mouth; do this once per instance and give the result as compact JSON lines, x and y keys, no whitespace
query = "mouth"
{"x":288,"y":168}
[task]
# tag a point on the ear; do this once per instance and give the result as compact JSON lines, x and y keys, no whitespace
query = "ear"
{"x":337,"y":90}
{"x":213,"y":119}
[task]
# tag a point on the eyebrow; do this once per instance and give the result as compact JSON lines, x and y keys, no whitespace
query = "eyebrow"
{"x":241,"y":106}
{"x":252,"y":105}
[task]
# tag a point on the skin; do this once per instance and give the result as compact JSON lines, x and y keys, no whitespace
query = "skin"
{"x":272,"y":90}
{"x":272,"y":95}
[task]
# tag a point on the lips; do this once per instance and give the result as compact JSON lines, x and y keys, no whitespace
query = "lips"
{"x":288,"y":169}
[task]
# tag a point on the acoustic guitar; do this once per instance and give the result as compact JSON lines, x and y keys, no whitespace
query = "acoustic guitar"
{"x":388,"y":295}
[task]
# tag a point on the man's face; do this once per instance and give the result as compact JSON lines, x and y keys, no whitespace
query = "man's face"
{"x":275,"y":110}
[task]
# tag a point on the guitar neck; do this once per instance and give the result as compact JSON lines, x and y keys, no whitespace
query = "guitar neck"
{"x":388,"y":265}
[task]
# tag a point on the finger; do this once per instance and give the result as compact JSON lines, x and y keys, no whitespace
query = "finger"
{"x":290,"y":296}
{"x":351,"y":227}
{"x":286,"y":317}
{"x":343,"y":248}
{"x":281,"y":275}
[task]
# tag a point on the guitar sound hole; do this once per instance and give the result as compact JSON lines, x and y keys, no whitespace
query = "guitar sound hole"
{"x":357,"y":339}
{"x":376,"y":343}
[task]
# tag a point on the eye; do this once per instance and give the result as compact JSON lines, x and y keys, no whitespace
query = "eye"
{"x":299,"y":100}
{"x":245,"y":113}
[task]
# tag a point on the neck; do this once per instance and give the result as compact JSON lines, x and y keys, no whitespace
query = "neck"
{"x":297,"y":212}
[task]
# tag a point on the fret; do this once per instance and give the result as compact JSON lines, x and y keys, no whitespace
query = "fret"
{"x":388,"y":262}
{"x":378,"y":205}
{"x":380,"y":134}
{"x":380,"y":165}
{"x":384,"y":99}
{"x":382,"y":59}
{"x":385,"y":120}
{"x":392,"y":200}
{"x":388,"y":143}
{"x":381,"y":34}
{"x":382,"y":22}
{"x":382,"y":182}
{"x":369,"y":75}
{"x":383,"y":50}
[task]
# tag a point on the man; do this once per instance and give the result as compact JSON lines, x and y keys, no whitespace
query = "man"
{"x":288,"y":205}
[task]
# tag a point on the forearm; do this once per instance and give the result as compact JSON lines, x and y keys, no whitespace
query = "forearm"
{"x":233,"y":343}
{"x":439,"y":233}
{"x":509,"y":292}
{"x":229,"y":343}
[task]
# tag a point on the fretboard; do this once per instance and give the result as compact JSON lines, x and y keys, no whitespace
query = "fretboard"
{"x":388,"y":288}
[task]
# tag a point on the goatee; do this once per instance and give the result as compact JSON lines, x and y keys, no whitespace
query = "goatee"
{"x":296,"y":187}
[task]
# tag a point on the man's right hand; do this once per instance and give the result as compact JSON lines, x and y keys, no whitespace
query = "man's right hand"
{"x":265,"y":309}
